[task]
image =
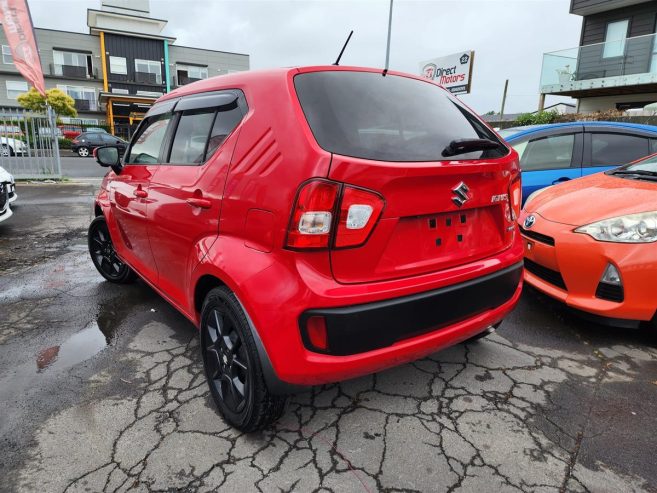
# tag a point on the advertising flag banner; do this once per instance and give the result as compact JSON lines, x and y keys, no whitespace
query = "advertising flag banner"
{"x":17,"y":24}
{"x":453,"y":72}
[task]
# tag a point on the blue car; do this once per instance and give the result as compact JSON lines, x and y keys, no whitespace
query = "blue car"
{"x":551,"y":154}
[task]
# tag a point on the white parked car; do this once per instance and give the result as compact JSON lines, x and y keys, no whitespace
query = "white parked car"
{"x":7,"y":194}
{"x":12,"y":147}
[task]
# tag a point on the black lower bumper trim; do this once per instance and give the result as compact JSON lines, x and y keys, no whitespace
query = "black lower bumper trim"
{"x":360,"y":328}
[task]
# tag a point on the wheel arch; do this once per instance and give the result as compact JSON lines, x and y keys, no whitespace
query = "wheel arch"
{"x":209,"y":281}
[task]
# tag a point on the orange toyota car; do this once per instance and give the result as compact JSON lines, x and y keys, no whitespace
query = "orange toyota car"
{"x":592,"y":243}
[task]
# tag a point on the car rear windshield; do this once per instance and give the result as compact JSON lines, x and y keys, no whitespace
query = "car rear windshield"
{"x":387,"y":118}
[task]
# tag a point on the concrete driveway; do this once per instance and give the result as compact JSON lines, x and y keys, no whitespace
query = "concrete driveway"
{"x":101,"y":389}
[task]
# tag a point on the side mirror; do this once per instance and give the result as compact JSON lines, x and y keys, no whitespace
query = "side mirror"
{"x":108,"y":156}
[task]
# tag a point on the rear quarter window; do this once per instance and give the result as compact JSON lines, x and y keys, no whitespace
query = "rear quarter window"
{"x":391,"y":118}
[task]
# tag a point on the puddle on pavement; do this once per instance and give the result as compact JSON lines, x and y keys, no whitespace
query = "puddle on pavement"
{"x":78,"y":348}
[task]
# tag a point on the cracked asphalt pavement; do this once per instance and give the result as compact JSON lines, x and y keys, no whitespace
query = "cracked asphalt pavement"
{"x":102,"y":389}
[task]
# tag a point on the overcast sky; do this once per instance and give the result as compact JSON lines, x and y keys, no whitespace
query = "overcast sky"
{"x":509,"y":37}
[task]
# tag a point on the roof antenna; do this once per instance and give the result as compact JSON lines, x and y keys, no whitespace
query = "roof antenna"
{"x":337,"y":62}
{"x":385,"y":70}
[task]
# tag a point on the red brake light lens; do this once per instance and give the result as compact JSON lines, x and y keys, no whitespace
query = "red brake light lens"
{"x":359,"y":213}
{"x":515,"y":196}
{"x":310,"y":225}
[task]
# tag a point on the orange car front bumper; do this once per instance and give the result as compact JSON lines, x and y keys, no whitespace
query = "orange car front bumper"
{"x":581,"y":261}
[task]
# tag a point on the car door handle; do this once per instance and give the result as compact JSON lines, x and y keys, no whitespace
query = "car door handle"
{"x":560,"y":180}
{"x":142,"y":194}
{"x":199,"y":202}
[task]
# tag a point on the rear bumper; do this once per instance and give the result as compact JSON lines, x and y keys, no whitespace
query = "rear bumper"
{"x":367,"y":327}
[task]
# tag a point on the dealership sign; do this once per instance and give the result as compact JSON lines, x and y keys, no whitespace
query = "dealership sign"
{"x":453,"y":72}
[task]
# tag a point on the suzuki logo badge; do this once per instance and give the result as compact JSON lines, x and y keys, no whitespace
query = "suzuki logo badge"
{"x":461,"y":190}
{"x":529,"y":221}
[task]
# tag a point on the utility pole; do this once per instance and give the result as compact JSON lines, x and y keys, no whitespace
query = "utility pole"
{"x":506,"y":88}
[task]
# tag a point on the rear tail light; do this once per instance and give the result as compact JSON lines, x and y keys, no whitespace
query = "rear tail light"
{"x":359,"y":211}
{"x":330,"y":214}
{"x":515,"y":197}
{"x":75,"y":141}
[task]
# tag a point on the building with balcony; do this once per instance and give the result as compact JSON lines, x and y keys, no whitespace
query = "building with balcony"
{"x":119,"y":69}
{"x":615,"y":66}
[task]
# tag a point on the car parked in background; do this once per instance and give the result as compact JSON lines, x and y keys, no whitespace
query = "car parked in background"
{"x":12,"y":147}
{"x":316,"y":224}
{"x":11,"y":131}
{"x":551,"y":154}
{"x":84,"y":144}
{"x":7,"y":194}
{"x":592,"y":243}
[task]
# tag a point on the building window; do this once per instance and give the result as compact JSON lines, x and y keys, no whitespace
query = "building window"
{"x":71,"y":64}
{"x":15,"y":88}
{"x":154,"y":94}
{"x":7,"y":57}
{"x":85,"y":97}
{"x":148,"y":71}
{"x":118,"y":65}
{"x":615,"y":37}
{"x":190,"y":73}
{"x":120,"y":91}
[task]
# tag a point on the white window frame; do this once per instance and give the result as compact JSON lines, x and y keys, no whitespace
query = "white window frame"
{"x":81,"y":60}
{"x":84,"y":90}
{"x":120,"y":91}
{"x":6,"y":52}
{"x":154,"y":94}
{"x":12,"y":93}
{"x":614,"y":48}
{"x":202,"y":70}
{"x":150,"y":64}
{"x":118,"y":65}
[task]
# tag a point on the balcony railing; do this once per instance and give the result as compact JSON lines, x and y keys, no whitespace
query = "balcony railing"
{"x":86,"y":105}
{"x":72,"y":71}
{"x":182,"y":80}
{"x":148,"y":78}
{"x":627,"y":62}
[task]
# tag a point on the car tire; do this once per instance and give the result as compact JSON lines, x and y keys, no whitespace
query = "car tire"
{"x":490,"y":330}
{"x":6,"y":150}
{"x":83,"y":151}
{"x":232,"y":365}
{"x":104,"y":256}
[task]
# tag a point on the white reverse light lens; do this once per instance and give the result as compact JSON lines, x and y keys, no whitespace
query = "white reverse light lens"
{"x":611,"y":276}
{"x":358,"y":216}
{"x":315,"y":223}
{"x":633,"y":228}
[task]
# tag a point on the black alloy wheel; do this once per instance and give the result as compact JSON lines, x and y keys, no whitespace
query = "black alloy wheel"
{"x":226,"y":361}
{"x":232,"y":365}
{"x":103,"y":255}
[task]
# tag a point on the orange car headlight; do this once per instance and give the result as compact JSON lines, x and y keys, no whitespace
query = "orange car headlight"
{"x":633,"y":228}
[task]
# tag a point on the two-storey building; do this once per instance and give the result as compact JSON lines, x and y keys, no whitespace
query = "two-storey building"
{"x":116,"y":71}
{"x":615,"y":66}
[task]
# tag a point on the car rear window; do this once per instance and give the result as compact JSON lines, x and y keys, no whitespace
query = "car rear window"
{"x":391,"y":118}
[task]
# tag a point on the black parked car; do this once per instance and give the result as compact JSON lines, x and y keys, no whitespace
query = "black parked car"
{"x":86,"y":142}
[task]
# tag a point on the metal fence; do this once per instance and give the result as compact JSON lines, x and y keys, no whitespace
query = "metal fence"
{"x":29,"y":145}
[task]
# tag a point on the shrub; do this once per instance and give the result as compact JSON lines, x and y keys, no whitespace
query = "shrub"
{"x":64,"y":143}
{"x":539,"y":118}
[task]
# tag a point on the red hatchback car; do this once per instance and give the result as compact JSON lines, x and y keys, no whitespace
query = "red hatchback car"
{"x":316,"y":224}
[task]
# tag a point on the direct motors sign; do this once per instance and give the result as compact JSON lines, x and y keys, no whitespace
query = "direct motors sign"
{"x":454,"y":72}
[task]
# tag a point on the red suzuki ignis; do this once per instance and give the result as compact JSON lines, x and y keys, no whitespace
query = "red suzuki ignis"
{"x":316,"y":224}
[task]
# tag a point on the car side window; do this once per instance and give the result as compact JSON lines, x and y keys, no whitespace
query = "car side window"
{"x":147,"y":145}
{"x":552,"y":152}
{"x":108,"y":138}
{"x":609,"y":149}
{"x":226,"y":121}
{"x":192,"y":136}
